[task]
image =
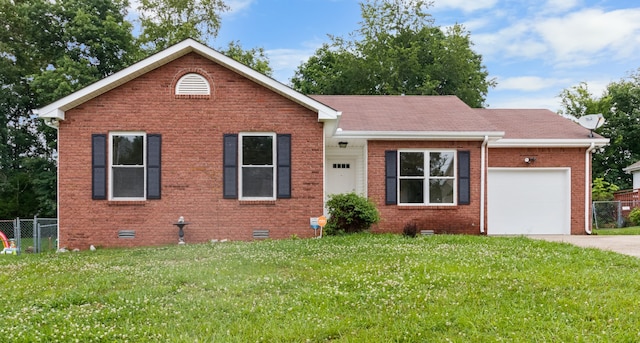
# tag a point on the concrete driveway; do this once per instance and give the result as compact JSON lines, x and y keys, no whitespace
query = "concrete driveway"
{"x":623,"y":244}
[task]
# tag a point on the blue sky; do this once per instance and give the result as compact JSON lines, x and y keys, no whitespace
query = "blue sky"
{"x":534,"y":48}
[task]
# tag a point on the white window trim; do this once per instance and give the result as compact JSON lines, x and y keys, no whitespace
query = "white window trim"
{"x":144,"y":164}
{"x":427,"y":177}
{"x":273,"y":135}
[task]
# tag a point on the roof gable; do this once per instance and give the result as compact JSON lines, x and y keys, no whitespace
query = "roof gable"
{"x":56,"y":110}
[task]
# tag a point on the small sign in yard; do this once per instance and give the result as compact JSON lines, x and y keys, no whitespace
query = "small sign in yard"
{"x":322,"y":221}
{"x":313,"y":221}
{"x":318,"y":223}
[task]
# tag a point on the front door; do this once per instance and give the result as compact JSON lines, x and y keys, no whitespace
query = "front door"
{"x":341,"y":176}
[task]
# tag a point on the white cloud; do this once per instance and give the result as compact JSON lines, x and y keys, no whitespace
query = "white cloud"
{"x":285,"y":61}
{"x":597,"y":86}
{"x":592,"y":32}
{"x":287,"y":58}
{"x":464,"y":5}
{"x":550,"y":102}
{"x":236,"y":6}
{"x":476,"y":23}
{"x":528,"y":83}
{"x":517,"y":40}
{"x":576,"y":39}
{"x":559,"y":6}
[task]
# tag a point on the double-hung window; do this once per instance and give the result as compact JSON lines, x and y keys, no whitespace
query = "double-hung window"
{"x":257,"y":166}
{"x":127,"y":165}
{"x":427,"y":177}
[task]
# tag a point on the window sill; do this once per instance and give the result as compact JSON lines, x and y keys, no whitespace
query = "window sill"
{"x":257,"y":202}
{"x":127,"y":203}
{"x":427,"y":207}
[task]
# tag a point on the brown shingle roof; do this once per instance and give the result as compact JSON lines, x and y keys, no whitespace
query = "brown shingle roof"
{"x":534,"y":124}
{"x":411,"y":113}
{"x":405,"y":113}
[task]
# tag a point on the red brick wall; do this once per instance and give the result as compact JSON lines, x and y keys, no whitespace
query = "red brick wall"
{"x":192,"y":135}
{"x":441,"y":219}
{"x":465,"y":218}
{"x":573,"y":158}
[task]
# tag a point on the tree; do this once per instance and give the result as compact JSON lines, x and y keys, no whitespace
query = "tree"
{"x":620,"y":106}
{"x":622,"y":128}
{"x":48,"y":50}
{"x":602,"y":190}
{"x":254,"y":58}
{"x":397,"y":50}
{"x":578,"y":101}
{"x":166,"y":22}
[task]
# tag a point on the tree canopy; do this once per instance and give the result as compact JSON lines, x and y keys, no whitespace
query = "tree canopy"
{"x":49,"y":49}
{"x":620,"y":106}
{"x":166,"y":22}
{"x":397,"y":50}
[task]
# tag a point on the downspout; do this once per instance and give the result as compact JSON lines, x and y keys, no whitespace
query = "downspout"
{"x":55,"y":123}
{"x":483,"y":173}
{"x":587,"y":187}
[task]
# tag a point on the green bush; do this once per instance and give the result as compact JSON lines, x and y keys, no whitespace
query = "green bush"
{"x":634,"y":216}
{"x":350,"y":213}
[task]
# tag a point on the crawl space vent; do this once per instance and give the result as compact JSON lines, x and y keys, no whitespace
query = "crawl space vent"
{"x":127,"y":234}
{"x":260,"y":234}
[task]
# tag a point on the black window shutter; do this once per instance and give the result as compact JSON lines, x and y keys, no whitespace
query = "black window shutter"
{"x":230,"y":165}
{"x":284,"y":166}
{"x":154,"y":152}
{"x":391,"y":177}
{"x":464,"y":177}
{"x":99,"y":166}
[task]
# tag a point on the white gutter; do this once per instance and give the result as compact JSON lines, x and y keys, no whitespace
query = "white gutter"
{"x":587,"y":188}
{"x":483,"y":173}
{"x":548,"y":143}
{"x":412,"y":135}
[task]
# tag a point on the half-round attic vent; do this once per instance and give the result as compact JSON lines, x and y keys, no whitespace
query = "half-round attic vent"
{"x":193,"y":84}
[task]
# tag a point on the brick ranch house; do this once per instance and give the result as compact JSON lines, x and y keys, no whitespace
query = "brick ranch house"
{"x":189,"y":132}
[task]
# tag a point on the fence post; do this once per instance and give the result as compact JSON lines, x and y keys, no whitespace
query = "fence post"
{"x":17,"y":235}
{"x":620,"y":222}
{"x":37,"y":243}
{"x":36,"y":235}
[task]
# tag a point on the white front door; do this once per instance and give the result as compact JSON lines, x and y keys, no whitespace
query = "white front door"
{"x":341,"y":176}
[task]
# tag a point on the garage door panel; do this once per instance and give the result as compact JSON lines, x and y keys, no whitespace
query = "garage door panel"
{"x":528,"y":201}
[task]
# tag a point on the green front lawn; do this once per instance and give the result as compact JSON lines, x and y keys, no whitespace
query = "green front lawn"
{"x":363,"y":288}
{"x":621,"y":231}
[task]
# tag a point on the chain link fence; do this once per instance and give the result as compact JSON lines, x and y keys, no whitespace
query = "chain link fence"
{"x":612,"y":214}
{"x":33,"y":235}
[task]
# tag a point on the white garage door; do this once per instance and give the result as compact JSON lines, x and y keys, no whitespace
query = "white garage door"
{"x":524,"y":201}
